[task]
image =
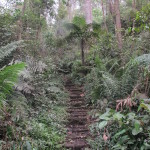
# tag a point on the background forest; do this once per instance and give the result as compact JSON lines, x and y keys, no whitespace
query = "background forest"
{"x":103,"y":45}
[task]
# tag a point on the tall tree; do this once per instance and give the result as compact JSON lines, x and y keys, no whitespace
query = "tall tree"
{"x":104,"y":18}
{"x":134,"y":4}
{"x":70,"y":7}
{"x":118,"y":24}
{"x":88,"y":11}
{"x":82,"y":31}
{"x":20,"y":21}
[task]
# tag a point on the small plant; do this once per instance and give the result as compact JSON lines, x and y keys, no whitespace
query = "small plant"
{"x":128,"y":103}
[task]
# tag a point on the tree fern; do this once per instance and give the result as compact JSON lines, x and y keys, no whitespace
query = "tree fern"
{"x":8,"y":76}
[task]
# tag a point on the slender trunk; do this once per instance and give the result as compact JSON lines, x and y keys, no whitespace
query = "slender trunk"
{"x":89,"y":19}
{"x":104,"y":18}
{"x":69,"y":8}
{"x":111,"y":7}
{"x":73,"y":5}
{"x":20,"y":22}
{"x":88,"y":11}
{"x":118,"y":25}
{"x":134,"y":4}
{"x":134,"y":9}
{"x":82,"y":52}
{"x":112,"y":10}
{"x":40,"y":40}
{"x":107,"y":7}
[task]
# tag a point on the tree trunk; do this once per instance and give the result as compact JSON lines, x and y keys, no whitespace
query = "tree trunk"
{"x":134,"y":9}
{"x":107,"y":7}
{"x":82,"y":52}
{"x":134,"y":4}
{"x":111,"y":7}
{"x":70,"y":8}
{"x":20,"y":22}
{"x":104,"y":18}
{"x":88,"y":11}
{"x":118,"y":25}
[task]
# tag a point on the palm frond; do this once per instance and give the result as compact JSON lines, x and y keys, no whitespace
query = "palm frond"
{"x":72,"y":27}
{"x":79,"y":21}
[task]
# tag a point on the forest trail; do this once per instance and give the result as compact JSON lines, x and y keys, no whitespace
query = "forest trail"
{"x":77,"y":128}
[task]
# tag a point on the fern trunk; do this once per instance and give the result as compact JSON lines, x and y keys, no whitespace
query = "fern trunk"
{"x":82,"y":52}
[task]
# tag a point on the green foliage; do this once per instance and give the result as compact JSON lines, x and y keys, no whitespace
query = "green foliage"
{"x":101,"y":84}
{"x":123,"y":130}
{"x":8,"y":77}
{"x":80,"y":30}
{"x":5,"y":27}
{"x":7,"y":50}
{"x":97,"y":14}
{"x":145,"y":106}
{"x":78,"y":72}
{"x":38,"y":117}
{"x":142,"y":19}
{"x":79,"y":21}
{"x":62,"y":11}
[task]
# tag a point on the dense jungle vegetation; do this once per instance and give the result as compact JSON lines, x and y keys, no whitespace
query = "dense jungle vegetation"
{"x":101,"y":45}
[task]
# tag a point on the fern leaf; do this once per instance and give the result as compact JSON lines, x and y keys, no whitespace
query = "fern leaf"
{"x":5,"y":51}
{"x":8,"y":77}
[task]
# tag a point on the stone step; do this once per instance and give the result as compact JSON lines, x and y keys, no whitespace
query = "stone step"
{"x":77,"y":135}
{"x":76,"y":144}
{"x":75,"y":96}
{"x":75,"y":90}
{"x":79,"y":99}
{"x":78,"y":114}
{"x":80,"y":120}
{"x":76,"y":110}
{"x":77,"y":104}
{"x":77,"y":130}
{"x":72,"y":88}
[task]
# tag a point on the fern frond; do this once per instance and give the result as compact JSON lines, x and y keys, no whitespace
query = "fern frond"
{"x":133,"y":73}
{"x":5,"y":51}
{"x":8,"y":77}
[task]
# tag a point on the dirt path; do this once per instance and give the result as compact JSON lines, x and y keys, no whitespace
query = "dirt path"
{"x":77,"y":128}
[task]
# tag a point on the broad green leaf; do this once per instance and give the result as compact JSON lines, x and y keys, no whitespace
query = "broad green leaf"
{"x":102,"y":124}
{"x":28,"y":146}
{"x":119,"y":133}
{"x":145,"y":106}
{"x":118,"y":116}
{"x":105,"y":116}
{"x":131,"y":116}
{"x":119,"y":147}
{"x":146,"y":145}
{"x":135,"y":132}
{"x":137,"y":125}
{"x":124,"y":139}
